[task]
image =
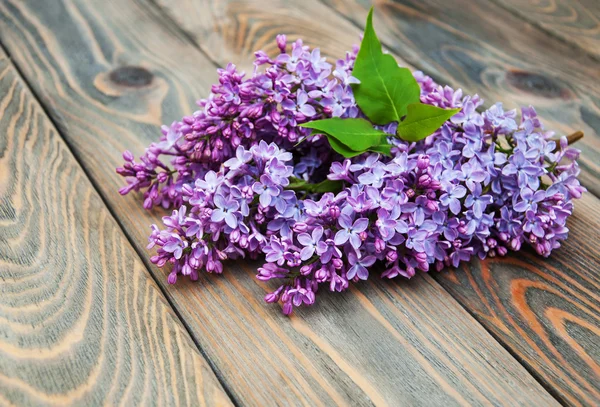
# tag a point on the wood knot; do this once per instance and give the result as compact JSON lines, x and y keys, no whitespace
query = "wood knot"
{"x":536,"y":84}
{"x":132,"y":76}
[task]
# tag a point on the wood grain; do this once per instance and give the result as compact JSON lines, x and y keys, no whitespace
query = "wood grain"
{"x":547,"y":311}
{"x":81,"y":320}
{"x":379,"y":344}
{"x":576,"y":22}
{"x":504,"y":59}
{"x":486,"y":50}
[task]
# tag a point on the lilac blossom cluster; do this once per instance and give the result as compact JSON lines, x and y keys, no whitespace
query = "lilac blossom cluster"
{"x":281,"y":93}
{"x":483,"y":184}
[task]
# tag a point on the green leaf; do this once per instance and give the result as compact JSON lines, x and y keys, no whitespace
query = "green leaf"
{"x":385,"y":89}
{"x":422,"y":120}
{"x":342,"y":148}
{"x":297,"y":184}
{"x":385,"y":149}
{"x":349,"y":137}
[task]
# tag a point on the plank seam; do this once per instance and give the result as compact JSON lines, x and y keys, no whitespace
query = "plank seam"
{"x":167,"y":20}
{"x":530,"y":369}
{"x":143,"y":258}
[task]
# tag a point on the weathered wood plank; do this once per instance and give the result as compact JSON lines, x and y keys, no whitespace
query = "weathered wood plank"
{"x":81,"y":320}
{"x":380,"y":343}
{"x":569,"y":364}
{"x":484,"y":50}
{"x":547,"y":311}
{"x":576,"y":22}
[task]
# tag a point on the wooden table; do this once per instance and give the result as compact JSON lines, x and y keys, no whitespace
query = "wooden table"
{"x":86,"y":319}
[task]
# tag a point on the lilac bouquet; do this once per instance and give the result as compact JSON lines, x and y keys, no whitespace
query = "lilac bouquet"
{"x":335,"y":173}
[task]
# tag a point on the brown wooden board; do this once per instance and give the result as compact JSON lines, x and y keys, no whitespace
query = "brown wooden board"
{"x":473,"y":45}
{"x":395,"y":342}
{"x":81,"y":320}
{"x":576,"y":22}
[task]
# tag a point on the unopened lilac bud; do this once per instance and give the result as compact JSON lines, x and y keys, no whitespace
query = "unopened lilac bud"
{"x":234,"y":236}
{"x":187,"y":190}
{"x":243,"y":241}
{"x":260,"y":58}
{"x":503,"y":236}
{"x":194,"y":262}
{"x":221,"y":255}
{"x":335,"y":212}
{"x":210,"y":266}
{"x":424,"y":180}
{"x":421,"y":257}
{"x":337,"y":263}
{"x":172,"y":279}
{"x":363,"y":235}
{"x":379,"y":245}
{"x":186,"y":270}
{"x":422,"y":162}
{"x":185,"y":129}
{"x":281,"y":42}
{"x":300,"y":227}
{"x":321,"y":274}
{"x":502,"y":250}
{"x":127,"y":156}
{"x":432,"y":206}
{"x":247,"y":192}
{"x":391,"y":256}
{"x":492,"y":243}
{"x":515,"y":244}
{"x":435,"y":185}
{"x":410,"y":192}
{"x":287,"y":308}
{"x":162,"y":177}
{"x":271,"y":298}
{"x":439,"y":266}
{"x":306,"y":270}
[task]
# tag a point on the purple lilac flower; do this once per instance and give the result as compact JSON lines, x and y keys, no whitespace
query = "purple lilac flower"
{"x":350,"y":231}
{"x":310,"y":242}
{"x":483,"y":184}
